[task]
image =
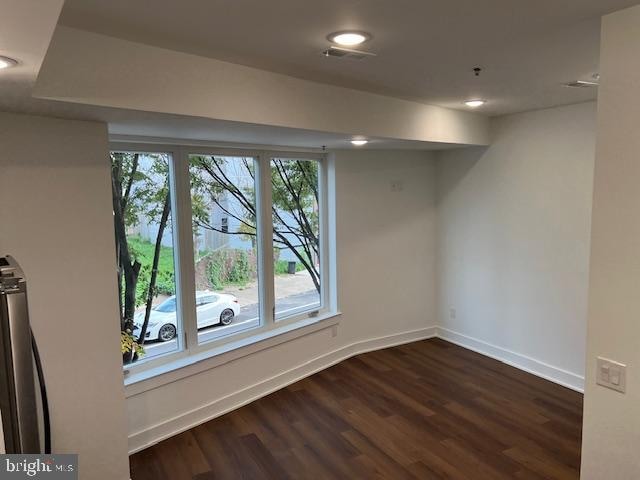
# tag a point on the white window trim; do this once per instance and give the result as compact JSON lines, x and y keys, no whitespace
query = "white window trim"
{"x":178,"y":368}
{"x":190,"y":355}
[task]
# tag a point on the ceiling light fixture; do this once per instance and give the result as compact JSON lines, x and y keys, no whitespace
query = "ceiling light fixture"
{"x":6,"y":62}
{"x":348,"y":39}
{"x":475,"y":103}
{"x":359,"y":143}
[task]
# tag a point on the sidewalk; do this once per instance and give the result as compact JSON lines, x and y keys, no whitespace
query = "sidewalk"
{"x":285,"y":286}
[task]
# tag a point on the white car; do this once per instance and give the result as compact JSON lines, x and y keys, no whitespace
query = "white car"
{"x":211,"y":309}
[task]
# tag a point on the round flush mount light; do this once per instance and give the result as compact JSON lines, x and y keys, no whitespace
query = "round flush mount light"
{"x":359,"y":143}
{"x":475,"y":103}
{"x":348,"y":38}
{"x":6,"y":62}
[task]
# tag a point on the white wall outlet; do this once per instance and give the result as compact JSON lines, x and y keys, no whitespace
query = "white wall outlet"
{"x":452,"y":313}
{"x":611,"y":374}
{"x":397,"y":185}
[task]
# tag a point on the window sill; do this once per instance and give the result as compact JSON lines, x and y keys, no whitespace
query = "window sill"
{"x":142,"y":381}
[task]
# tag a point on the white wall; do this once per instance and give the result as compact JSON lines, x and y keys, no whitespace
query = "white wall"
{"x":513,"y":237}
{"x":55,"y":218}
{"x":513,"y":241}
{"x":386,"y":281}
{"x":205,"y":87}
{"x":611,"y":438}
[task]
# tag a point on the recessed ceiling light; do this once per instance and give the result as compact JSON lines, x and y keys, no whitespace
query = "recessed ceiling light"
{"x":349,"y":39}
{"x":6,"y":62}
{"x":474,"y":103}
{"x":359,"y":143}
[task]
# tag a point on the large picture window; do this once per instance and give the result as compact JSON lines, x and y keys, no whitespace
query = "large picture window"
{"x":215,"y":247}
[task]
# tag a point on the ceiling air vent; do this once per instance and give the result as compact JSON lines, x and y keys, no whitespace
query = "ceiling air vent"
{"x":340,"y":52}
{"x":580,"y":84}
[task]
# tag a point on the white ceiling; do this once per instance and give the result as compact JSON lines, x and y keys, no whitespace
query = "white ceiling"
{"x":426,"y":48}
{"x":26,"y":34}
{"x":27,"y":28}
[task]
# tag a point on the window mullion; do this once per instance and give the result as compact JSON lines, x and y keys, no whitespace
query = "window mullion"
{"x":328,"y":249}
{"x":322,"y":227}
{"x":185,"y":285}
{"x":265,"y":237}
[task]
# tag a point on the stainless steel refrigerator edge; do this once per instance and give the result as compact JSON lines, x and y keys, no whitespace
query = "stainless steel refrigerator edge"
{"x":17,"y":388}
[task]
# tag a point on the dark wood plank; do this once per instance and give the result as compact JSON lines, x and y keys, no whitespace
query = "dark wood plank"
{"x":425,"y":410}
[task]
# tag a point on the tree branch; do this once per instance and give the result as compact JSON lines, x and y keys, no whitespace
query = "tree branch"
{"x":313,"y":185}
{"x":154,"y":269}
{"x":127,"y":192}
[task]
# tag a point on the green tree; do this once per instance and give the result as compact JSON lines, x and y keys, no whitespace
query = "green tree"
{"x":136,"y":193}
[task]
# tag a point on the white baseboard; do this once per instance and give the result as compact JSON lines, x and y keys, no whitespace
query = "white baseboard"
{"x":528,"y":364}
{"x":156,"y":433}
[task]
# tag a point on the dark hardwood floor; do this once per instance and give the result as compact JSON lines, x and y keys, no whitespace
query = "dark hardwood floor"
{"x":426,"y":410}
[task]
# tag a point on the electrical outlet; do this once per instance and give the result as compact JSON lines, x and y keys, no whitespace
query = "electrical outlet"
{"x":452,"y":313}
{"x":397,"y":185}
{"x":611,"y":374}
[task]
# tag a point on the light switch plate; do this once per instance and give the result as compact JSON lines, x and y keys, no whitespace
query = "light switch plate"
{"x":611,"y":374}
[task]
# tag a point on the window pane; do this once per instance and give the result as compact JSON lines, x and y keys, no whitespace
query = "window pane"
{"x":223,"y":199}
{"x":296,"y":235}
{"x":149,"y":318}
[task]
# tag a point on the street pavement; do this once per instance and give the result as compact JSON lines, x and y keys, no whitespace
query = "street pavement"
{"x":248,"y":318}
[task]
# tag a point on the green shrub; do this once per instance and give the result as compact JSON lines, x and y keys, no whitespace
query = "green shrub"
{"x":240,"y":272}
{"x":143,"y":251}
{"x":230,"y":267}
{"x":165,"y":283}
{"x":282,"y":267}
{"x":214,"y":274}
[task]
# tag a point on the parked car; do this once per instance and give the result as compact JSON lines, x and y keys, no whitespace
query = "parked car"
{"x":211,"y":309}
